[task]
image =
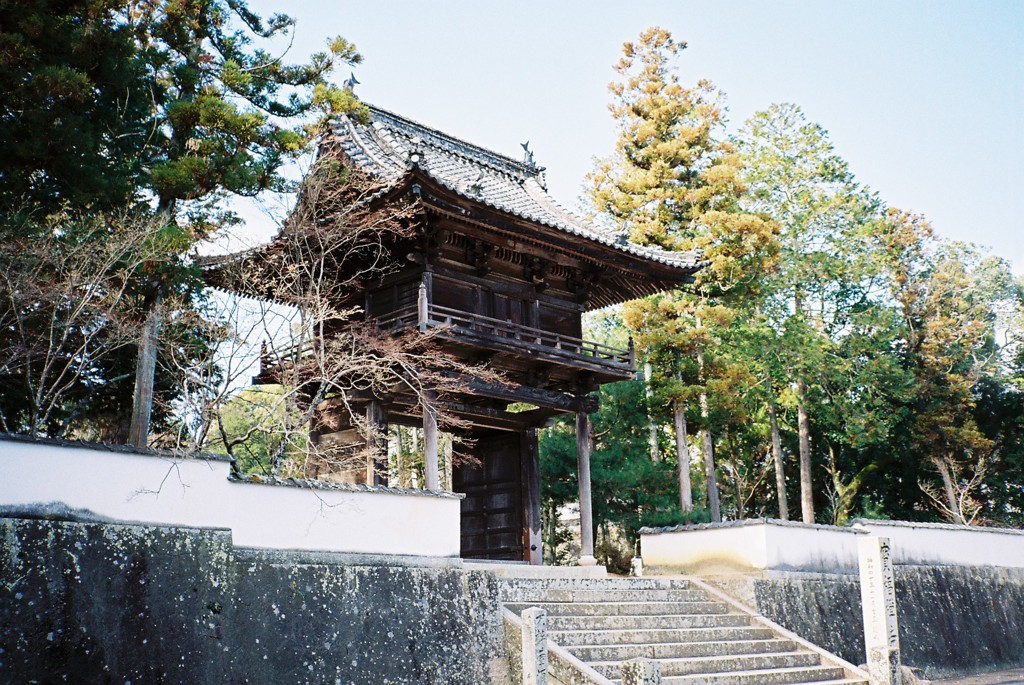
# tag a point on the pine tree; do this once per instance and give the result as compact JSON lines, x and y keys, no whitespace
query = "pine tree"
{"x":75,"y":116}
{"x":673,"y":181}
{"x":227,"y":116}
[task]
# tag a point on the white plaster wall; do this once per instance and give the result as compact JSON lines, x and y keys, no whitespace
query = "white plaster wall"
{"x":740,"y":548}
{"x":196,"y":492}
{"x":935,"y":543}
{"x":807,"y":548}
{"x":772,"y":545}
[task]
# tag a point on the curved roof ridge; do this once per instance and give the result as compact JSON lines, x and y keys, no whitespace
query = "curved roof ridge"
{"x":385,"y":164}
{"x":537,"y":192}
{"x":458,"y":146}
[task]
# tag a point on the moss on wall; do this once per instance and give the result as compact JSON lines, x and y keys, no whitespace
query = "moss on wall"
{"x":104,"y":603}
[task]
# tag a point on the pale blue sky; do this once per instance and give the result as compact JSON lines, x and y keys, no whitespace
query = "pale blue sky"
{"x":924,"y":99}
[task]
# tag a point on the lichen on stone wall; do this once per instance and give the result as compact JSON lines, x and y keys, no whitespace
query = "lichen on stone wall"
{"x":95,"y":603}
{"x":953,"y":619}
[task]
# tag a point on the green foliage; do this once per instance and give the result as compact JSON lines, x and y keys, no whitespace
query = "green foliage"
{"x":175,"y":103}
{"x":75,"y":116}
{"x":249,"y":429}
{"x":628,"y":489}
{"x":229,"y":113}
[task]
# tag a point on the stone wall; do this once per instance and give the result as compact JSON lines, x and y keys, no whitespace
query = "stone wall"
{"x":953,"y":619}
{"x":107,"y":603}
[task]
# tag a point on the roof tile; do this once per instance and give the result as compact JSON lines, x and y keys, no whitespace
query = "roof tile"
{"x":385,"y":146}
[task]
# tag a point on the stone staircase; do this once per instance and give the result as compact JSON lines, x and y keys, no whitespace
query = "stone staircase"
{"x":699,"y":636}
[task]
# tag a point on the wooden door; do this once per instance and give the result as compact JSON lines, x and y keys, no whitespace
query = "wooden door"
{"x":498,"y":518}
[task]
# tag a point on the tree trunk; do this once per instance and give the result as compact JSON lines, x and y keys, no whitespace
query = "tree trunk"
{"x":401,"y":459}
{"x":708,"y":442}
{"x":145,"y":372}
{"x":804,"y":428}
{"x":652,"y":428}
{"x":431,"y":478}
{"x":550,"y":547}
{"x":683,"y":455}
{"x":780,"y":475}
{"x":949,"y":491}
{"x":712,"y":480}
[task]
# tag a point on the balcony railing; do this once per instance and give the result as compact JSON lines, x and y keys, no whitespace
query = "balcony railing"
{"x":504,"y":334}
{"x":528,"y":337}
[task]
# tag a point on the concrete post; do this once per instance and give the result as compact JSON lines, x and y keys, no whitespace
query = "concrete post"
{"x":586,"y":505}
{"x":878,"y":598}
{"x":535,"y":647}
{"x":641,"y":672}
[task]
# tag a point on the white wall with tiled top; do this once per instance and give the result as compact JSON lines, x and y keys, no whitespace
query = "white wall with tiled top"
{"x":773,"y":545}
{"x":120,"y":486}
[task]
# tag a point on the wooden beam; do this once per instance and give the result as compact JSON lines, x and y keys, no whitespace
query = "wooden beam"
{"x":548,"y":399}
{"x":504,"y":286}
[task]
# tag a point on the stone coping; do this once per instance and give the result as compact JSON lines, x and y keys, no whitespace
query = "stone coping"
{"x":303,"y":557}
{"x":741,"y":523}
{"x":936,"y":526}
{"x":342,"y":487}
{"x":120,"y":449}
{"x":58,"y":511}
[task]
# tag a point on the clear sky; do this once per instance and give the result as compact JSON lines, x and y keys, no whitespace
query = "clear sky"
{"x":925,"y":99}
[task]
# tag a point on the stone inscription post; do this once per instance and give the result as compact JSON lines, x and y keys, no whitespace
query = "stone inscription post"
{"x":535,"y":647}
{"x":641,"y":672}
{"x":878,"y":598}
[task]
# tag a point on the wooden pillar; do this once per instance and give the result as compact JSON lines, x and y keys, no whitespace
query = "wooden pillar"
{"x":422,"y":308}
{"x":430,"y":471}
{"x":377,"y":434}
{"x":532,"y":538}
{"x":586,"y":506}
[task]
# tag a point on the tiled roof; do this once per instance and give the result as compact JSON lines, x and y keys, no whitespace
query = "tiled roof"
{"x":390,"y":145}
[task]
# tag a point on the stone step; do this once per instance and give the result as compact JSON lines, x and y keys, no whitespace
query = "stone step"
{"x":775,"y":676}
{"x":842,"y":681}
{"x":561,"y":623}
{"x":621,"y":608}
{"x":599,"y":583}
{"x":670,"y":650}
{"x":718,"y":665}
{"x":524,"y":594}
{"x":656,"y":636}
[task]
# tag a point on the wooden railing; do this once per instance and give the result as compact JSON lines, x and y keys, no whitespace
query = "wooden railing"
{"x":427,"y":316}
{"x":486,"y":326}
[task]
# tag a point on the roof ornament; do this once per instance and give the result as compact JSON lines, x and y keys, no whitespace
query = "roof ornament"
{"x":351,"y":83}
{"x":623,"y":237}
{"x":528,"y":157}
{"x":477,"y":186}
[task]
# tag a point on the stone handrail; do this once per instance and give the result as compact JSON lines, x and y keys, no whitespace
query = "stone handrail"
{"x":563,"y":667}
